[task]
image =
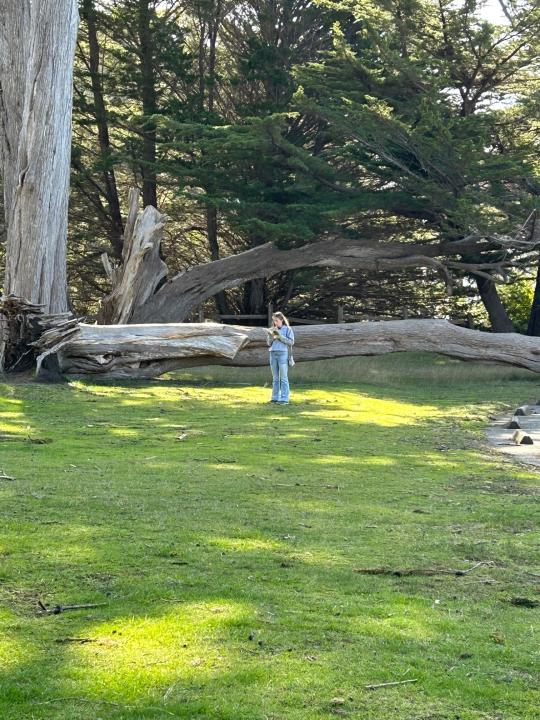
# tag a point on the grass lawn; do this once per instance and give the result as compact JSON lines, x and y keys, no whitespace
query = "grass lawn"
{"x":224,"y":535}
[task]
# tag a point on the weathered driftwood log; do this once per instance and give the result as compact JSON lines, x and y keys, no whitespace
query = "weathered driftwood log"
{"x":142,"y":269}
{"x":145,"y":351}
{"x":139,"y":350}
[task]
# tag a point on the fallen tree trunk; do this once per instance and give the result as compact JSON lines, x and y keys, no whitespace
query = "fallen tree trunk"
{"x":146,"y":351}
{"x":180,"y":295}
{"x":140,"y":295}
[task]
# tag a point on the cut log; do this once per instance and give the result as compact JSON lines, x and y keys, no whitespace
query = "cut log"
{"x":146,"y":351}
{"x":513,"y":424}
{"x":523,"y":410}
{"x":522,"y":438}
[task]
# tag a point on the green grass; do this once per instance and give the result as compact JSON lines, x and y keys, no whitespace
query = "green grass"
{"x":226,"y":560}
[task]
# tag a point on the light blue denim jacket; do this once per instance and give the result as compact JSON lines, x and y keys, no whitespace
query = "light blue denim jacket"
{"x":286,"y":339}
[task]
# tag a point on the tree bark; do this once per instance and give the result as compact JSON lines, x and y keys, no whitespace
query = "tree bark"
{"x":533,"y":327}
{"x":177,"y":298}
{"x":14,"y":37}
{"x":145,"y":351}
{"x":498,"y":317}
{"x":149,"y":102}
{"x":255,"y":296}
{"x":37,"y":49}
{"x":212,"y":236}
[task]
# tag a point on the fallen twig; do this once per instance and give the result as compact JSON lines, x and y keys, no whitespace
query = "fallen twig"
{"x":390,"y":684}
{"x":464,"y":572}
{"x":400,"y":572}
{"x":74,"y":640}
{"x":3,"y":476}
{"x":57,"y":609}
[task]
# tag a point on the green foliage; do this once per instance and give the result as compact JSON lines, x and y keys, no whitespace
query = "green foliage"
{"x":517,"y":298}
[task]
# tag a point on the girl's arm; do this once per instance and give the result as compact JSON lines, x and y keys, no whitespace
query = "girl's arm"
{"x":287,"y":339}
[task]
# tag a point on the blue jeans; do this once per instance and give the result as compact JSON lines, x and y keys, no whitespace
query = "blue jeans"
{"x":279,"y":362}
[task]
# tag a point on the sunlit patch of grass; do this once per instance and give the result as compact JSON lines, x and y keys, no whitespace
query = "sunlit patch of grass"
{"x":12,"y":650}
{"x":246,"y":544}
{"x":15,"y":428}
{"x":335,"y":460}
{"x":131,"y":656}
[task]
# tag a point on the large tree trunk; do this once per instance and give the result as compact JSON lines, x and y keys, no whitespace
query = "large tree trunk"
{"x":145,"y":351}
{"x":14,"y":38}
{"x":173,"y":301}
{"x":37,"y":44}
{"x":255,"y":296}
{"x":534,"y":318}
{"x":498,"y":317}
{"x":37,"y":49}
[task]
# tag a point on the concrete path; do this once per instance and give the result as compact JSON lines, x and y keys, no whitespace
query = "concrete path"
{"x":499,"y":435}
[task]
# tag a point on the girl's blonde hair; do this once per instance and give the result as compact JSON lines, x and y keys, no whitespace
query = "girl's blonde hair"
{"x":282,"y":317}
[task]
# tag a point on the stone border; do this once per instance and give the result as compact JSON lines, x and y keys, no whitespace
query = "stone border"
{"x":517,"y":434}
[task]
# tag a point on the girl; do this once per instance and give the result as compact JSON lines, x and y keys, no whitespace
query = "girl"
{"x":280,"y":340}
